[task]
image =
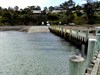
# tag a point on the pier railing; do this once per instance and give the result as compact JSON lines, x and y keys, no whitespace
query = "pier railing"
{"x":83,"y":62}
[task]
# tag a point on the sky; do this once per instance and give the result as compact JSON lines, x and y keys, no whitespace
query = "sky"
{"x":41,"y":3}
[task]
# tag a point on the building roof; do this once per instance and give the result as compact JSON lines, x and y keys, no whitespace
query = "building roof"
{"x":57,"y":11}
{"x":36,"y":11}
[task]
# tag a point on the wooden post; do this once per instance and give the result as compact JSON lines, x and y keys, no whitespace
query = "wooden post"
{"x":70,"y":31}
{"x":58,"y":30}
{"x":61,"y":31}
{"x":98,"y":38}
{"x":91,"y":49}
{"x":76,"y":64}
{"x":59,"y":27}
{"x":65,"y":33}
{"x":80,"y":30}
{"x":77,"y":31}
{"x":87,"y":34}
{"x":83,"y":50}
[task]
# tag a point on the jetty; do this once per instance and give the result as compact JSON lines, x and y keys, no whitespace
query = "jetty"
{"x":87,"y":60}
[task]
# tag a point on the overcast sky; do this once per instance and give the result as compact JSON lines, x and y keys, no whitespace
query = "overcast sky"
{"x":41,"y":3}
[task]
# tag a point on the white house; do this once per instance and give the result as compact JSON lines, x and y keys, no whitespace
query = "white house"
{"x":37,"y":12}
{"x":58,"y":11}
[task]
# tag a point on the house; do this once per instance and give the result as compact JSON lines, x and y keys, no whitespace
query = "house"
{"x":58,"y":11}
{"x":37,"y":12}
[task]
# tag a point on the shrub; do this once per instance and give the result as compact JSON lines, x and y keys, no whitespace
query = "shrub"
{"x":53,"y":17}
{"x":79,"y":20}
{"x":98,"y":20}
{"x":92,"y":19}
{"x":79,"y":14}
{"x":70,"y":18}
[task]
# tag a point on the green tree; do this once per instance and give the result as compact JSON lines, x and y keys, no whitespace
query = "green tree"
{"x":16,"y":8}
{"x":53,"y":17}
{"x":7,"y":18}
{"x":96,"y":4}
{"x":51,"y":8}
{"x":89,"y":10}
{"x":78,"y":7}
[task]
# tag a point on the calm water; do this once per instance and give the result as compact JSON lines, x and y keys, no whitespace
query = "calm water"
{"x":33,"y":54}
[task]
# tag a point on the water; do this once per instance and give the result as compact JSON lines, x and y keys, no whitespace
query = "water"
{"x":33,"y":54}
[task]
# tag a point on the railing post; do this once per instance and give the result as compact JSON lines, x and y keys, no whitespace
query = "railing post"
{"x":64,"y":32}
{"x":70,"y":31}
{"x":87,"y":34}
{"x":76,"y":65}
{"x":81,"y":30}
{"x":77,"y":32}
{"x":61,"y":31}
{"x":98,"y":38}
{"x":91,"y":50}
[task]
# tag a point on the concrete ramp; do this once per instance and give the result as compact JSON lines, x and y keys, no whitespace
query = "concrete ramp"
{"x":38,"y":29}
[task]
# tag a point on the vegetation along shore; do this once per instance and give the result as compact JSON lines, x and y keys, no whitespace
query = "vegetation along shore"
{"x":64,"y":13}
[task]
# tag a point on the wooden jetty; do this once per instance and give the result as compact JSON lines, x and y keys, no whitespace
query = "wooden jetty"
{"x":87,"y":43}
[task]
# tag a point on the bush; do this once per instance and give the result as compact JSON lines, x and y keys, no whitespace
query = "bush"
{"x":70,"y":18}
{"x":79,"y":20}
{"x":53,"y":17}
{"x":92,"y":19}
{"x":79,"y":14}
{"x":54,"y":22}
{"x":97,"y":20}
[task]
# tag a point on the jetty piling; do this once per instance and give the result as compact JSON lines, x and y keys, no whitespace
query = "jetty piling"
{"x":91,"y":50}
{"x":98,"y":38}
{"x":76,"y":65}
{"x":87,"y":34}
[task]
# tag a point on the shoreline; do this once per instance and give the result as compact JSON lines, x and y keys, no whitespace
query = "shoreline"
{"x":15,"y":28}
{"x":40,"y":28}
{"x":29,"y":29}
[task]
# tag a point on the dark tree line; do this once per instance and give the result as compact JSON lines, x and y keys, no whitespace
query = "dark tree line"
{"x":16,"y":16}
{"x":87,"y":10}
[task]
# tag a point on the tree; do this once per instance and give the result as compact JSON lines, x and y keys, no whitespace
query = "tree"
{"x":89,"y":1}
{"x":71,"y":4}
{"x":70,"y":7}
{"x":64,"y":5}
{"x":31,"y":7}
{"x":53,"y":17}
{"x":45,"y":8}
{"x":51,"y":8}
{"x":96,"y":4}
{"x":89,"y":10}
{"x":67,"y":5}
{"x":70,"y":14}
{"x":34,"y":7}
{"x":38,"y":8}
{"x":7,"y":18}
{"x":16,"y":8}
{"x":78,"y":7}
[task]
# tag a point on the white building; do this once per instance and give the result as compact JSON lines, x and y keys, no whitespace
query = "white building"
{"x":37,"y":12}
{"x":58,"y":11}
